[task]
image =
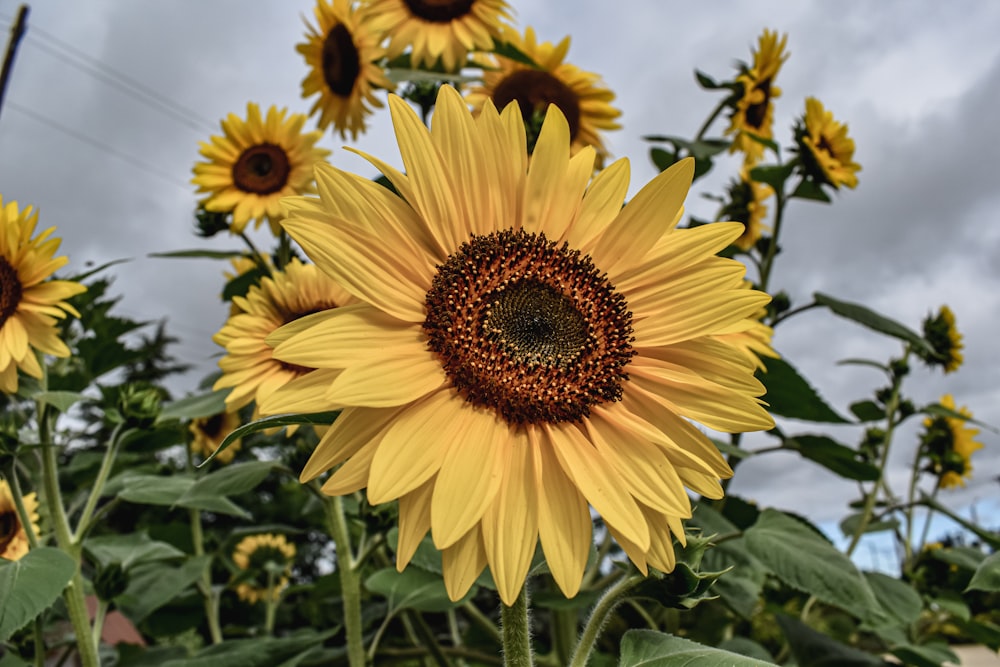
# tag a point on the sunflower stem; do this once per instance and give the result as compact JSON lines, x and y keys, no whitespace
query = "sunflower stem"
{"x":99,"y":615}
{"x":76,"y":605}
{"x":772,"y":247}
{"x":98,"y":488}
{"x":209,"y":597}
{"x":22,"y":512}
{"x":711,"y":119}
{"x":350,"y":579}
{"x":516,"y":632}
{"x":603,"y":609}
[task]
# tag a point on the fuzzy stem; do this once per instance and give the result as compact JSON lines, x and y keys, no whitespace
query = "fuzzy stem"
{"x":350,"y":580}
{"x":598,"y":616}
{"x":516,"y":632}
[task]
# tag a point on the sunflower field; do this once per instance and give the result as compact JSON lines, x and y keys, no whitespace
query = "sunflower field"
{"x":486,"y":408}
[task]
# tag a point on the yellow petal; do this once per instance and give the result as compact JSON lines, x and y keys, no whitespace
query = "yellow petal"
{"x":303,"y":394}
{"x":353,"y":475}
{"x":601,"y":204}
{"x":414,"y":522}
{"x":353,"y":429}
{"x":462,"y":564}
{"x":385,"y":382}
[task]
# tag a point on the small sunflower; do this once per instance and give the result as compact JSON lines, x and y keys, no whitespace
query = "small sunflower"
{"x":826,"y":151}
{"x":522,"y":348}
{"x":266,"y":561}
{"x":438,"y":29}
{"x":207,"y":433}
{"x":746,"y":205}
{"x":13,"y":538}
{"x":286,"y":296}
{"x":255,"y":163}
{"x":944,"y":338}
{"x":342,"y":55}
{"x":30,"y":304}
{"x":754,"y":111}
{"x":949,"y":445}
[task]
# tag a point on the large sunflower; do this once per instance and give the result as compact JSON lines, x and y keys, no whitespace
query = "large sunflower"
{"x":580,"y":95}
{"x":949,"y":444}
{"x":14,"y":541}
{"x":30,"y":304}
{"x":255,"y":163}
{"x":248,"y":367}
{"x":258,"y":556}
{"x":438,"y":29}
{"x":827,"y":152}
{"x":342,"y":55}
{"x":523,"y":346}
{"x":754,"y":111}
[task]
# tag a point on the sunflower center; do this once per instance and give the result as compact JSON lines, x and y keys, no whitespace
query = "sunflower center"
{"x":265,"y":554}
{"x":10,"y":290}
{"x":262,"y":169}
{"x":439,"y":11}
{"x":9,"y":526}
{"x":212,"y":427}
{"x":528,"y":329}
{"x":341,"y":64}
{"x":534,"y":90}
{"x":756,"y":114}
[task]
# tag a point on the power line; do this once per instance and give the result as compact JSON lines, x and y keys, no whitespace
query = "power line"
{"x":99,"y":145}
{"x":122,"y":82}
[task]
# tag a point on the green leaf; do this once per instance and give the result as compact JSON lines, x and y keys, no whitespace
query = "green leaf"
{"x":272,"y":422}
{"x":661,"y":158}
{"x":232,"y":480}
{"x":705,"y":81}
{"x":811,"y":191}
{"x":938,"y":410}
{"x":412,"y":588}
{"x":129,"y":549}
{"x":927,"y":655}
{"x":967,"y":558}
{"x":152,"y":585}
{"x":60,"y":400}
{"x":952,"y":603}
{"x":990,"y":538}
{"x":799,"y":556}
{"x":987,"y":576}
{"x":790,"y":395}
{"x":773,"y":175}
{"x":11,"y":660}
{"x":747,"y":647}
{"x":258,"y":652}
{"x":172,"y":492}
{"x":647,"y":648}
{"x":200,"y":254}
{"x":867,"y":411}
{"x":981,"y":631}
{"x":193,"y":407}
{"x":30,"y":585}
{"x":901,"y":605}
{"x":849,"y":525}
{"x":815,"y":649}
{"x":834,"y":456}
{"x":869,"y":318}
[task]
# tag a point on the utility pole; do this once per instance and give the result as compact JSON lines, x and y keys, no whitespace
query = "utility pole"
{"x":16,"y":33}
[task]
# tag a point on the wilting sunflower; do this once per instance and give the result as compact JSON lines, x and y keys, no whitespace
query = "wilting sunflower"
{"x":207,"y":433}
{"x":581,"y":96}
{"x":746,"y":205}
{"x":14,"y":541}
{"x":267,"y":561}
{"x":949,"y":445}
{"x":286,"y":296}
{"x":523,"y":347}
{"x":826,"y":151}
{"x":30,"y":304}
{"x":342,"y":54}
{"x":943,"y":336}
{"x":255,"y":163}
{"x":754,"y":112}
{"x":438,"y":29}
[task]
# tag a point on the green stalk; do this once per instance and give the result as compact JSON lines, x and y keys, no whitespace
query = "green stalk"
{"x":516,"y":632}
{"x":772,"y":247}
{"x":74,"y":596}
{"x":22,"y":512}
{"x":209,"y":597}
{"x":271,"y":608}
{"x":350,"y":579}
{"x":711,"y":119}
{"x":98,"y":488}
{"x":99,"y":615}
{"x":599,"y":616}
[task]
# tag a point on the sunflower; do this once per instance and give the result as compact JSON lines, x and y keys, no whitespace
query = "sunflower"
{"x":342,"y":55}
{"x":580,"y":95}
{"x":14,"y":541}
{"x":29,"y":303}
{"x":826,"y":151}
{"x":754,"y":113}
{"x":248,"y":368}
{"x":949,"y":445}
{"x":207,"y":433}
{"x":438,"y":29}
{"x":944,"y":338}
{"x":262,"y":558}
{"x":752,"y":337}
{"x":522,"y":347}
{"x":255,"y":163}
{"x":746,"y":205}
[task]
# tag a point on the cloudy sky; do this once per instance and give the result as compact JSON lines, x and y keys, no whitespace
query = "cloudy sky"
{"x":918,"y":84}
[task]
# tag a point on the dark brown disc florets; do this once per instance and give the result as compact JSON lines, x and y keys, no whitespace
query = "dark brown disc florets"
{"x":262,"y":169}
{"x":10,"y":290}
{"x":341,"y":61}
{"x":528,"y":328}
{"x":439,"y":11}
{"x":534,"y":90}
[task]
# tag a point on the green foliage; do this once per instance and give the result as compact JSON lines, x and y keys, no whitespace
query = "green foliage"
{"x":31,"y":585}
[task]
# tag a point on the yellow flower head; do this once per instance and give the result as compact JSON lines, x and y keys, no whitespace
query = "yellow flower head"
{"x":286,"y":296}
{"x":949,"y":444}
{"x":14,"y":541}
{"x":30,"y":303}
{"x":827,"y":152}
{"x":207,"y":433}
{"x":754,"y":110}
{"x":255,"y":163}
{"x":944,"y":338}
{"x":523,"y":347}
{"x":752,"y":337}
{"x":581,"y":96}
{"x":267,"y":561}
{"x":445,"y":30}
{"x":342,"y":53}
{"x":746,"y":205}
